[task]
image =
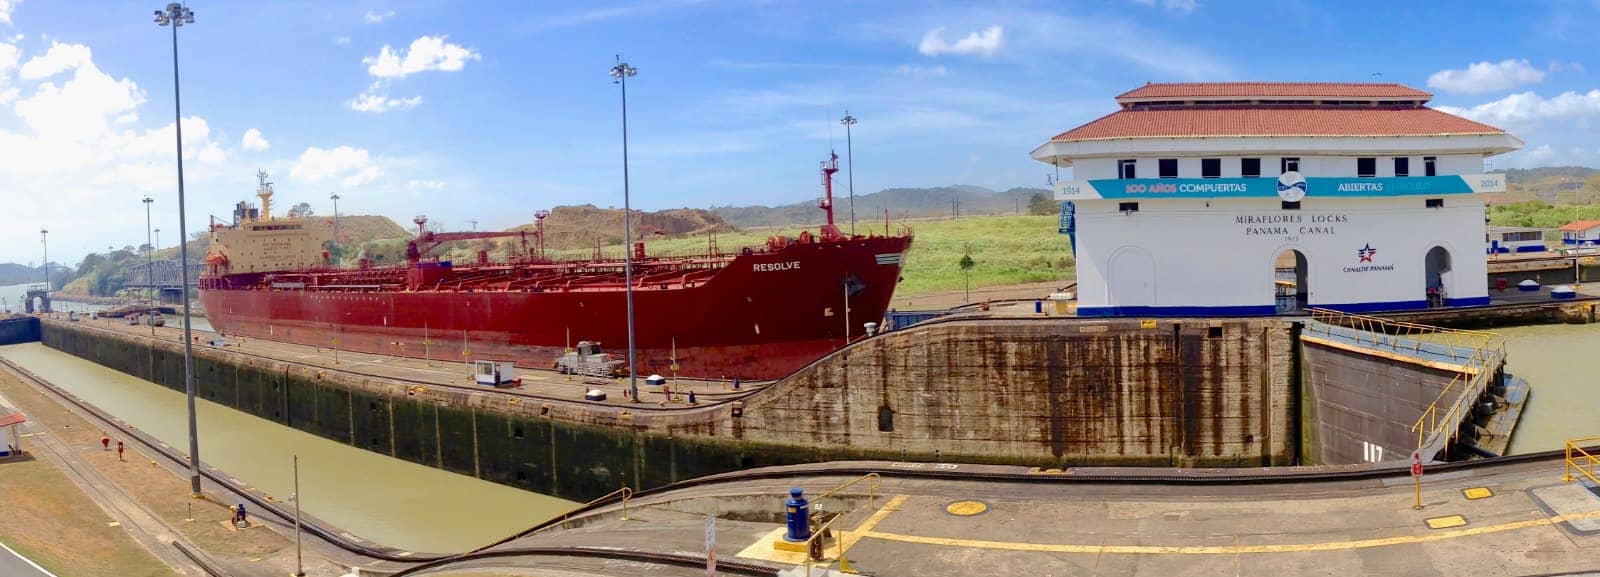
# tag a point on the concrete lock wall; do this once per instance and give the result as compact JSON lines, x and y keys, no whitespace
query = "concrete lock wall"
{"x":1054,"y":393}
{"x":1359,"y":407}
{"x":1118,"y":392}
{"x":18,"y":329}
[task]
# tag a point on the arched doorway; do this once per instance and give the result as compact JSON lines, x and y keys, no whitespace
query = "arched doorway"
{"x":1290,"y":290}
{"x":1132,"y":279}
{"x":1437,"y":275}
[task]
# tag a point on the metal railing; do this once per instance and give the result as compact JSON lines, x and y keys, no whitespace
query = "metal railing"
{"x":625,"y":492}
{"x":872,"y":489}
{"x":1480,"y":347}
{"x":1578,"y":458}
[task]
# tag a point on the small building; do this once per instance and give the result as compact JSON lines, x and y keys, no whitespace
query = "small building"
{"x":8,"y":424}
{"x":1253,"y":198}
{"x":1582,"y":233}
{"x":1514,"y":239}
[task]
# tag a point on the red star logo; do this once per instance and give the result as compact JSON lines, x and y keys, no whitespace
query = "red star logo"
{"x":1365,"y":253}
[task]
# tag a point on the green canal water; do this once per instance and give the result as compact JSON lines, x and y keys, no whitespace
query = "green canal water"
{"x":375,"y":497}
{"x":1565,"y":402}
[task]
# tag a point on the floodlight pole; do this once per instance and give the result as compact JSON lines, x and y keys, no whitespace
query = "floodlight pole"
{"x":850,"y":157}
{"x":176,"y":15}
{"x":150,"y":257}
{"x":621,"y":72}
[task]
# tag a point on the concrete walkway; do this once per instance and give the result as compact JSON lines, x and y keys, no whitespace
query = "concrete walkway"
{"x":1504,"y":520}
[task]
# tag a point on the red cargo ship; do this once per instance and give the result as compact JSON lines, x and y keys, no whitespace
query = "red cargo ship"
{"x":756,"y":313}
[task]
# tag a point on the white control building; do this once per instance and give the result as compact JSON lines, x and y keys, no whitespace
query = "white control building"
{"x":1254,"y":198}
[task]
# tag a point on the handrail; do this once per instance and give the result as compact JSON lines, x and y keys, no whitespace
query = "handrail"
{"x":872,"y":489}
{"x":626,"y":493}
{"x":1589,"y":461}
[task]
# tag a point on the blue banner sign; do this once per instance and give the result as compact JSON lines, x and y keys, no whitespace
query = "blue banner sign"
{"x":1290,"y":186}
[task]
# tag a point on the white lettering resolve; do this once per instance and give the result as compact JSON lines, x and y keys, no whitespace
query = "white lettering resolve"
{"x":775,"y":266}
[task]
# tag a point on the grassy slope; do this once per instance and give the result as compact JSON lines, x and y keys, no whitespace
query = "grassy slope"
{"x":1005,"y":250}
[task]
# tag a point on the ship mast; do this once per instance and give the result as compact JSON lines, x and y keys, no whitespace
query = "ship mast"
{"x":264,"y":190}
{"x":830,"y":166}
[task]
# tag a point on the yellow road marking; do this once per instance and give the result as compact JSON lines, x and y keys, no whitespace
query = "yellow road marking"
{"x":881,"y":514}
{"x":1447,"y":522}
{"x":1475,"y":493}
{"x":1226,"y":550}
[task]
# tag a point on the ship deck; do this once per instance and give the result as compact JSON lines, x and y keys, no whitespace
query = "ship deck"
{"x":537,"y":384}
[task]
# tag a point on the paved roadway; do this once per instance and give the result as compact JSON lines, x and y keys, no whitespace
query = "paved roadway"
{"x":1516,"y":519}
{"x":13,"y":564}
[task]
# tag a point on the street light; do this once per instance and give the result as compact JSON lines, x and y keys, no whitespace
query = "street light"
{"x":335,"y":198}
{"x":177,"y":15}
{"x":44,"y":239}
{"x":622,"y":72}
{"x":299,"y":558}
{"x":150,"y":255}
{"x":850,"y":158}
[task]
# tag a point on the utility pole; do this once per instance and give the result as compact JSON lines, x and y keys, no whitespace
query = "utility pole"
{"x":335,"y":198}
{"x":177,"y":15}
{"x":850,"y":157}
{"x":622,"y":72}
{"x":44,"y":239}
{"x":150,"y":258}
{"x":299,"y":558}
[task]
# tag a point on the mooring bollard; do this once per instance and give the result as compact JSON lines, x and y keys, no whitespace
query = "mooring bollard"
{"x":797,"y":514}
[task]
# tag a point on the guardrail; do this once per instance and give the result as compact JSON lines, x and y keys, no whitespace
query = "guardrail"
{"x":625,"y":492}
{"x":1588,"y":461}
{"x":1479,"y":353}
{"x":872,"y":489}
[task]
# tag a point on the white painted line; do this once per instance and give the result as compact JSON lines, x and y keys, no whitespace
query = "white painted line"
{"x":30,"y":562}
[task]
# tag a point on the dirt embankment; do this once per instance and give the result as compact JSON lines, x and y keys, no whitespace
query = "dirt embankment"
{"x":573,"y":227}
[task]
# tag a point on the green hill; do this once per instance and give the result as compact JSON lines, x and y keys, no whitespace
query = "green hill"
{"x":902,"y":203}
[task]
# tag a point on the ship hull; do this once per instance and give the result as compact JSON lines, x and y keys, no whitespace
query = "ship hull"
{"x":762,"y":316}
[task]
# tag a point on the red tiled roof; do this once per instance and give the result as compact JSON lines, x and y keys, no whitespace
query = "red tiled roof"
{"x":1295,"y":90}
{"x":1222,"y":122}
{"x":1580,"y":225}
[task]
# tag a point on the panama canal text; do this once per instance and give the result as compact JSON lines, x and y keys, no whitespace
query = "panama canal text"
{"x":1289,"y":224}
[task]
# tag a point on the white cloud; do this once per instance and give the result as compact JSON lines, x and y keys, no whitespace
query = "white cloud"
{"x":60,"y":58}
{"x":81,"y":108}
{"x":426,"y":53}
{"x":377,"y":17}
{"x":921,"y":71}
{"x":986,"y":43}
{"x":1174,"y":5}
{"x":253,"y":141}
{"x":342,"y":40}
{"x":426,"y":184}
{"x":375,"y":99}
{"x":350,"y":166}
{"x":6,"y":6}
{"x":1525,"y":107}
{"x":1486,"y":76}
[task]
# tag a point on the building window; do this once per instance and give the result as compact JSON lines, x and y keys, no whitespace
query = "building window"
{"x":1250,"y":167}
{"x":1289,"y":164}
{"x":1428,"y":163}
{"x":1168,"y":168}
{"x":1291,"y":205}
{"x":1210,"y":168}
{"x":1128,"y":206}
{"x":1402,"y":166}
{"x":1434,"y":203}
{"x":1126,"y":168}
{"x":1366,"y":167}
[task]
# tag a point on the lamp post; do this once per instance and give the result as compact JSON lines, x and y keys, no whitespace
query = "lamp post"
{"x":44,"y":239}
{"x":150,"y":256}
{"x":850,"y":158}
{"x":299,"y":569}
{"x":622,"y":72}
{"x":176,"y":15}
{"x":335,"y":198}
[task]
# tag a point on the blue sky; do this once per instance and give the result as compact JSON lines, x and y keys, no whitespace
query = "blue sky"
{"x":490,"y":111}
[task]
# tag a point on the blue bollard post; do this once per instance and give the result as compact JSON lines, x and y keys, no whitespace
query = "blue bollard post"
{"x":797,"y":514}
{"x":1038,"y":307}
